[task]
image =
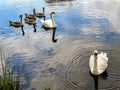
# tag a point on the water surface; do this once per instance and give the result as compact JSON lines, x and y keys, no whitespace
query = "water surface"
{"x":83,"y":26}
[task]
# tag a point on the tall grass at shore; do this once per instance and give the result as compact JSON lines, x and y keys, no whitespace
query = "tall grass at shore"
{"x":8,"y":81}
{"x":9,"y":78}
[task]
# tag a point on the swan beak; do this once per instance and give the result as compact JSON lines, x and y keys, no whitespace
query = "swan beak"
{"x":95,"y":52}
{"x":53,"y":12}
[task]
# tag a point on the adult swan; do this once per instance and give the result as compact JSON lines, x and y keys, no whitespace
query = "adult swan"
{"x":98,"y":63}
{"x":50,"y":23}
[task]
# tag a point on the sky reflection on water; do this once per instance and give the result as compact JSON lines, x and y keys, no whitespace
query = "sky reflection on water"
{"x":81,"y":24}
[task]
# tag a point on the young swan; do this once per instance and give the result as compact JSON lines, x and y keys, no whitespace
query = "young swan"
{"x":39,"y":15}
{"x":31,"y":22}
{"x":18,"y":24}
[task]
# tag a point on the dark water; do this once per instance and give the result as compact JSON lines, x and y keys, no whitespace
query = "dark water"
{"x":82,"y":26}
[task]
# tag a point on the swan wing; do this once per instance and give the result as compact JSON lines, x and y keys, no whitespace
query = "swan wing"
{"x":47,"y":23}
{"x":103,"y":57}
{"x":102,"y":62}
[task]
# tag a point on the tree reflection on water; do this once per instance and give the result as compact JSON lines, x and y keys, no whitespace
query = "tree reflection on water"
{"x":52,"y":1}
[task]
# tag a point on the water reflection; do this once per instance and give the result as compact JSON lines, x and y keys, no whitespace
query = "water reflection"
{"x":53,"y":35}
{"x":96,"y":82}
{"x":83,"y":25}
{"x":53,"y":1}
{"x":31,"y":22}
{"x":104,"y":76}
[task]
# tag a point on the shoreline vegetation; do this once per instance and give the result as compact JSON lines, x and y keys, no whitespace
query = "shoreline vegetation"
{"x":9,"y":78}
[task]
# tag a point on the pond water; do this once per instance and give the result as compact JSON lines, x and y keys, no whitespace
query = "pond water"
{"x":82,"y":27}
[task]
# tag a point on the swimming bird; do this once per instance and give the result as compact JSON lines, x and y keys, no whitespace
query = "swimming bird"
{"x":98,"y":63}
{"x":30,"y":16}
{"x":31,"y":22}
{"x":18,"y":24}
{"x":39,"y":15}
{"x":50,"y":23}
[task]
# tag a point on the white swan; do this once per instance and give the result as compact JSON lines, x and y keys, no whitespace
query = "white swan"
{"x":50,"y":23}
{"x":98,"y":63}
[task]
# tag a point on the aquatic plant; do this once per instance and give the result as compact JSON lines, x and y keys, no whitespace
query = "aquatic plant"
{"x":8,"y":81}
{"x":47,"y":88}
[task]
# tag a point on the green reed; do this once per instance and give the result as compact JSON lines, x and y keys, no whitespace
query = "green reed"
{"x":8,"y":81}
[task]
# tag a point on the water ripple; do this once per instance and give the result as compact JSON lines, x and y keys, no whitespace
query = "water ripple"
{"x":76,"y":74}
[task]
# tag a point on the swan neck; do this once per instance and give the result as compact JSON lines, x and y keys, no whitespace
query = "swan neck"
{"x":43,"y":10}
{"x":53,"y":22}
{"x":95,"y":68}
{"x":21,"y":19}
{"x":34,"y":11}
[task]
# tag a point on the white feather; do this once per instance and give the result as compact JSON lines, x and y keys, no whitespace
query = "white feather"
{"x":101,"y":63}
{"x":50,"y":23}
